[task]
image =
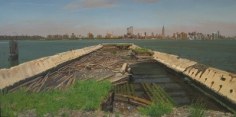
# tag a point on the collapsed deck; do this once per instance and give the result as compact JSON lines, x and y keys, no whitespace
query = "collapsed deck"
{"x":110,"y":62}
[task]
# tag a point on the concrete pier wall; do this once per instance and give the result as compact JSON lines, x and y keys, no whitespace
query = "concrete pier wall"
{"x":221,"y":82}
{"x":9,"y":77}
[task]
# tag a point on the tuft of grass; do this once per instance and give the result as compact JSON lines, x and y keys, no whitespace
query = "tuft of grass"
{"x":142,"y":51}
{"x":83,"y":95}
{"x":117,"y":114}
{"x":156,"y":109}
{"x":123,"y":46}
{"x":162,"y":102}
{"x":197,"y":109}
{"x":114,"y":52}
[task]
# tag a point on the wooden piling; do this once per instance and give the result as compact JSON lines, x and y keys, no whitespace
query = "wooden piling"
{"x":14,"y":53}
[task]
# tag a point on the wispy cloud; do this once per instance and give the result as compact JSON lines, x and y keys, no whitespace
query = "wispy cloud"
{"x":90,"y":4}
{"x":146,"y":1}
{"x":93,"y":4}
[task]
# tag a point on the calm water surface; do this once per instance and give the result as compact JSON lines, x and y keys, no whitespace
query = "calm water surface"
{"x":220,"y":54}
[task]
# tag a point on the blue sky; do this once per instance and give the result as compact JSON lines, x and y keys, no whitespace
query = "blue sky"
{"x":42,"y":17}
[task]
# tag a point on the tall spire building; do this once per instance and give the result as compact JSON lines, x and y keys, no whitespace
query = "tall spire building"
{"x":163,"y":31}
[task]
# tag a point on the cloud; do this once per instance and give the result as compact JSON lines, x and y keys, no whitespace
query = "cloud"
{"x":147,"y":1}
{"x":90,"y":4}
{"x":93,"y":4}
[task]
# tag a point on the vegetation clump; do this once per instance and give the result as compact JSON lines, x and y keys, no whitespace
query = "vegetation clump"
{"x":123,"y":46}
{"x":156,"y":109}
{"x":197,"y":109}
{"x":142,"y":51}
{"x":162,"y":102}
{"x":83,"y":95}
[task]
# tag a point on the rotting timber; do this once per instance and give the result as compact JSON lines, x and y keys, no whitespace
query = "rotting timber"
{"x":14,"y":53}
{"x":135,"y":85}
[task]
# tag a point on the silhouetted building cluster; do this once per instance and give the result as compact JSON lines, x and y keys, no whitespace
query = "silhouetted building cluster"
{"x":129,"y":35}
{"x":197,"y":36}
{"x":21,"y":37}
{"x":130,"y":32}
{"x":176,"y":36}
{"x":90,"y":35}
{"x":64,"y":36}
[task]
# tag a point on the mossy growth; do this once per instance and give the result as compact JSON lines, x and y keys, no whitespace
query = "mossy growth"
{"x":162,"y":102}
{"x":83,"y":95}
{"x":123,"y":46}
{"x":142,"y":51}
{"x":156,"y":109}
{"x":197,"y":109}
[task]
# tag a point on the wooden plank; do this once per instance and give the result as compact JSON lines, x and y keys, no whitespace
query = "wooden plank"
{"x":137,"y":99}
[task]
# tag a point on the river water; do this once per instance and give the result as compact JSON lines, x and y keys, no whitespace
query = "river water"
{"x":219,"y":53}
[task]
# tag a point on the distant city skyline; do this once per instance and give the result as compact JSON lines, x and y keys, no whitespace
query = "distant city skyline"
{"x":44,"y":17}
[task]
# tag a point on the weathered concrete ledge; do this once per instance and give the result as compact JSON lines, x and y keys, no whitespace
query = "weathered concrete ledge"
{"x":219,"y":81}
{"x":9,"y":77}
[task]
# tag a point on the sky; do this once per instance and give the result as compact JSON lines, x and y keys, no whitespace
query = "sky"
{"x":43,"y":17}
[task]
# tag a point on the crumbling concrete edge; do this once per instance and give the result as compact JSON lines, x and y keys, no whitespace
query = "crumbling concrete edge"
{"x":219,"y":81}
{"x":9,"y":77}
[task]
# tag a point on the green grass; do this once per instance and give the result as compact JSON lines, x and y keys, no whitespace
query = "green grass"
{"x":156,"y":109}
{"x":197,"y":109}
{"x":117,"y":114}
{"x":122,"y":44}
{"x":83,"y":95}
{"x":114,"y":52}
{"x":162,"y":103}
{"x":142,"y":51}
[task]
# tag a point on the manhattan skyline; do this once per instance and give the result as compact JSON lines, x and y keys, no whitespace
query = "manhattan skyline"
{"x":46,"y":17}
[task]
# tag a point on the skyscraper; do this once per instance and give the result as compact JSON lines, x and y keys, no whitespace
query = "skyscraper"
{"x":163,"y":31}
{"x":130,"y":30}
{"x":218,"y":34}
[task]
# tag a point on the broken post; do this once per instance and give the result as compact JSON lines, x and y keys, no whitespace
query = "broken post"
{"x":13,"y":56}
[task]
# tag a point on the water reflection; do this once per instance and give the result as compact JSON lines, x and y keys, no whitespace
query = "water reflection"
{"x":13,"y":62}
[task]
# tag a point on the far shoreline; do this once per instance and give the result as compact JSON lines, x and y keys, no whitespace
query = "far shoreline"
{"x":109,"y":39}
